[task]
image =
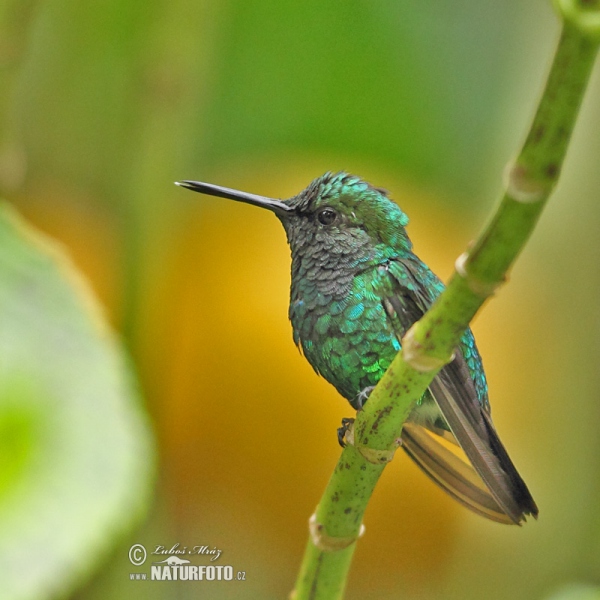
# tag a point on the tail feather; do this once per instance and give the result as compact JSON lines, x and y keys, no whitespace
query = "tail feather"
{"x":451,"y":473}
{"x":472,"y":427}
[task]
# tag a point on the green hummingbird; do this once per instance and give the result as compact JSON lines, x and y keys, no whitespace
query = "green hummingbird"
{"x":356,"y":288}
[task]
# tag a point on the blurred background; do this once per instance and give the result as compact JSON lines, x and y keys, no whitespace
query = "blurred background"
{"x":105,"y":104}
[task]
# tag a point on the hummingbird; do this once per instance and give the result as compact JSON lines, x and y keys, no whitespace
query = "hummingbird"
{"x":356,"y":288}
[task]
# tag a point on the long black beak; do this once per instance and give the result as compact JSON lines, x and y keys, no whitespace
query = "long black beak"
{"x":276,"y":206}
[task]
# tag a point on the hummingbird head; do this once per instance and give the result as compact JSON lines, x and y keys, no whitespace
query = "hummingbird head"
{"x":347,"y":210}
{"x":337,"y":213}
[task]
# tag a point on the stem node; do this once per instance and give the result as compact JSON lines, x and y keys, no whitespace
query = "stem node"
{"x":583,"y":14}
{"x":329,"y":543}
{"x":521,"y":186}
{"x":484,"y":289}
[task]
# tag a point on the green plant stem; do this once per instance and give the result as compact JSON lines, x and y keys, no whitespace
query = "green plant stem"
{"x":428,"y":346}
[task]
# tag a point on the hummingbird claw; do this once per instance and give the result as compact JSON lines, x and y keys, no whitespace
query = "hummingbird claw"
{"x":343,"y":430}
{"x":361,"y":398}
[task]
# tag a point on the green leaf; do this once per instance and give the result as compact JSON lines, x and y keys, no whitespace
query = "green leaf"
{"x":76,"y":454}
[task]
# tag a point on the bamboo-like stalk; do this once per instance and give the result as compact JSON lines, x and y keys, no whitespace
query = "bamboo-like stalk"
{"x":429,"y":344}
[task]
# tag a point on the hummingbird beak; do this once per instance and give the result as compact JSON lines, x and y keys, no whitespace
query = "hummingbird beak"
{"x":276,"y":206}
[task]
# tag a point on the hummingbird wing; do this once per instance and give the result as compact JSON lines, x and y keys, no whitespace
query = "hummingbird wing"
{"x":488,"y":482}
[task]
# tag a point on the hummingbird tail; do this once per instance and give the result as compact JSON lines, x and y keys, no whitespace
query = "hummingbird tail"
{"x":451,"y":473}
{"x":490,"y":469}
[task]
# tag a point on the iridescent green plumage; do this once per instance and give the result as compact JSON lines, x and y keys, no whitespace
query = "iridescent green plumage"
{"x":342,"y":276}
{"x":356,"y":289}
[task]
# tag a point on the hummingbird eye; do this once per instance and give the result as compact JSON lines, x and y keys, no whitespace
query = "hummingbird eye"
{"x":326,"y":216}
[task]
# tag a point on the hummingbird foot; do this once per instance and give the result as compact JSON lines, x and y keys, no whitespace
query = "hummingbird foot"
{"x":344,"y":430}
{"x":361,"y":398}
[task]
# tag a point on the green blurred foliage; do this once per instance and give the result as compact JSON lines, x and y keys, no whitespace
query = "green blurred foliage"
{"x":75,"y":452}
{"x":576,"y":592}
{"x":105,"y":105}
